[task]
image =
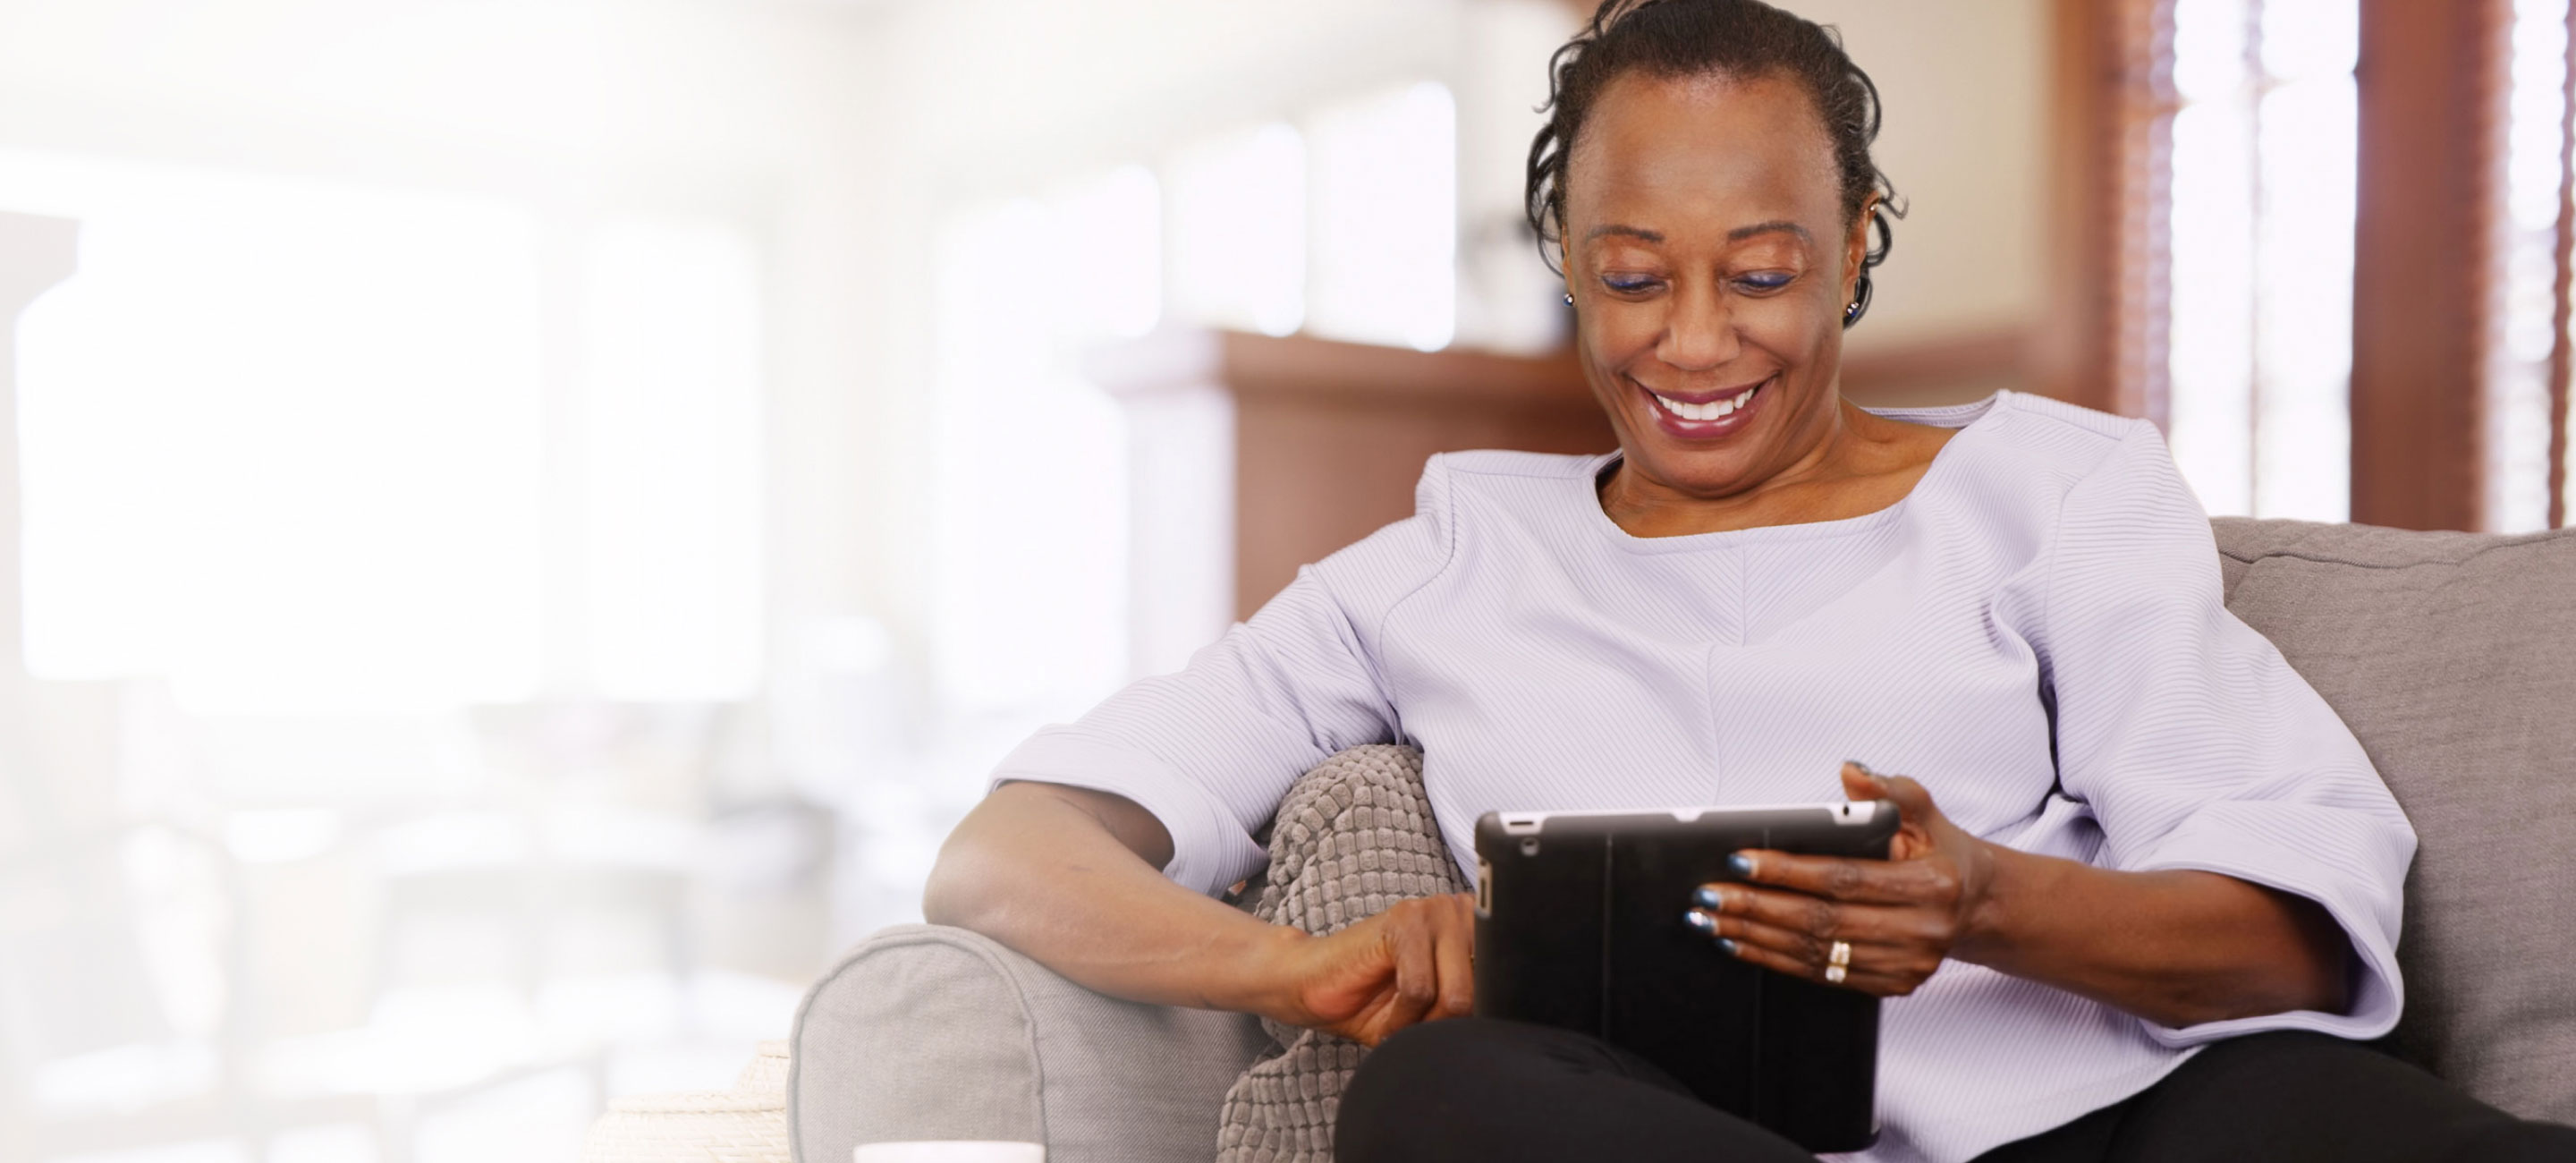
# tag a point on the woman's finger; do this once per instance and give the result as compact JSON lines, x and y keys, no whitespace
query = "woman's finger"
{"x":1860,"y":783}
{"x":1886,"y":968}
{"x":1453,"y":954}
{"x":1825,"y":919}
{"x":1798,"y":945}
{"x":1857,"y":976}
{"x":1913,"y":800}
{"x":1417,"y":974}
{"x":1843,"y":878}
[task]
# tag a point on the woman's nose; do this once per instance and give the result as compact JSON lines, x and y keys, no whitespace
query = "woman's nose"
{"x":1699,"y":335}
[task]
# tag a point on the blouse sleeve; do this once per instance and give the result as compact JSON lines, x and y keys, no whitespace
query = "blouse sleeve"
{"x":1212,"y":749}
{"x":2193,"y":743}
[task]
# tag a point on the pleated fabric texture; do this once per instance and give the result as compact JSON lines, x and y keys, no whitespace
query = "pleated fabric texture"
{"x":1353,"y":837}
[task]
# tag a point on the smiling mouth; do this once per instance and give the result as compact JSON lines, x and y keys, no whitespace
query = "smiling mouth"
{"x":1703,"y":411}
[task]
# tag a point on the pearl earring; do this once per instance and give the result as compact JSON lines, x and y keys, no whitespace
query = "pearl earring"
{"x":1569,"y":298}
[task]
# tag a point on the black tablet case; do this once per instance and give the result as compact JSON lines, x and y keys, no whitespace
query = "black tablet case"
{"x":1579,"y":924}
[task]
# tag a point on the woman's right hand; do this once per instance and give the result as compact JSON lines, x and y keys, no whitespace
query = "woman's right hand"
{"x":1412,"y":963}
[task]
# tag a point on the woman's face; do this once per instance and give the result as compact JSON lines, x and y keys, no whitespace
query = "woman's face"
{"x":1709,"y":260}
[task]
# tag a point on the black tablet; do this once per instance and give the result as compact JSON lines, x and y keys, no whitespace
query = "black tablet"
{"x":1579,"y":924}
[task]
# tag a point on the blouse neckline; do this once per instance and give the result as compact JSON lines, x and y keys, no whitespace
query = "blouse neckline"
{"x":1966,"y":418}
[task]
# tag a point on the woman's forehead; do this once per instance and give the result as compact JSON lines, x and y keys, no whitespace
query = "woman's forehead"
{"x":1711,"y":151}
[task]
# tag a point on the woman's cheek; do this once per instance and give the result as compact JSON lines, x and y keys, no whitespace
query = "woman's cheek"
{"x":1619,"y":332}
{"x":1781,"y":324}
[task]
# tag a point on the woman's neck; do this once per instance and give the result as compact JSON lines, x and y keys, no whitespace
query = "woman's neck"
{"x":1861,"y":463}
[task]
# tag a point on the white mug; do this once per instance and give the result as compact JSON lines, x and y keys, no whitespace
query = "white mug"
{"x":949,"y":1151}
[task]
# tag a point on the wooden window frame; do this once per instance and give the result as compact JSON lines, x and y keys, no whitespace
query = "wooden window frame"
{"x":2425,"y":263}
{"x":2424,"y":260}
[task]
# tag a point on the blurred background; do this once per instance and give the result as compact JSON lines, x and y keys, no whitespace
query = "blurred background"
{"x":523,"y":522}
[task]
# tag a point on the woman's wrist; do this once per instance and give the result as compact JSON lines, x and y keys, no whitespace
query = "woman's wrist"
{"x":2001,"y":879}
{"x":1258,"y":975}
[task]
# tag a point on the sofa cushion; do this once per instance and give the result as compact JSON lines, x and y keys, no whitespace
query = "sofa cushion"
{"x":1352,"y":837}
{"x":2453,"y":657}
{"x":930,"y":1032}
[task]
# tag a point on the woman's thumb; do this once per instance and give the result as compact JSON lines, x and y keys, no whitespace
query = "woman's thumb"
{"x":1913,"y":803}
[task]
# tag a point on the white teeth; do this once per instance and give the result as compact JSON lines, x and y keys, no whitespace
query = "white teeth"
{"x":1713,"y":410}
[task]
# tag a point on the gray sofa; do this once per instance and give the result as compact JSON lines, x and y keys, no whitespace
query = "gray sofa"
{"x":2451,"y":655}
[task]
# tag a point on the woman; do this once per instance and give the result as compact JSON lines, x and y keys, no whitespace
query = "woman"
{"x":2147,"y":891}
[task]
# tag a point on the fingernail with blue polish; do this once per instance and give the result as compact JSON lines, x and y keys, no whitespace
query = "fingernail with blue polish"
{"x":1726,"y":945}
{"x":1741,"y":864}
{"x":1864,"y":768}
{"x":1708,"y":898}
{"x":1700,"y":921}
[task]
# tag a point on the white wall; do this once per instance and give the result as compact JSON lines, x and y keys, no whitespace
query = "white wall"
{"x":1963,"y":83}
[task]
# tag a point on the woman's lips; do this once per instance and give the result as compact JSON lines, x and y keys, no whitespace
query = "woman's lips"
{"x":1706,"y":417}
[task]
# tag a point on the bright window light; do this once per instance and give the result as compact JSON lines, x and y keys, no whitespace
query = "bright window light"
{"x":1032,"y":499}
{"x":2262,"y":234}
{"x":281,"y":440}
{"x":2518,"y":388}
{"x":286,"y":444}
{"x":1386,"y":220}
{"x":1114,"y":253}
{"x":672,"y":443}
{"x":1238,"y":232}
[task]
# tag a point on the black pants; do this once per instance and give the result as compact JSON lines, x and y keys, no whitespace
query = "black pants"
{"x":1478,"y":1089}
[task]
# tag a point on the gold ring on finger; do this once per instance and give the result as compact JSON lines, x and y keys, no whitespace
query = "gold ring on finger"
{"x":1839,"y":957}
{"x":1834,"y":975}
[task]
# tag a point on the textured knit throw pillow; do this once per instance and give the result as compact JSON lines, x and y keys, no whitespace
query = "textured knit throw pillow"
{"x":1354,"y":836}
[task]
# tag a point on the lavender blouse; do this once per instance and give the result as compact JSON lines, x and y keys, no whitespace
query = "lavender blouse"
{"x":2035,"y":633}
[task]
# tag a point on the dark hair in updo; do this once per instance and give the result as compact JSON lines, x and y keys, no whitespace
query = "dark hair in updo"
{"x":1692,"y":38}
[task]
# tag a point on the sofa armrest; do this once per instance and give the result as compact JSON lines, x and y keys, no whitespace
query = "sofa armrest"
{"x":932,"y":1032}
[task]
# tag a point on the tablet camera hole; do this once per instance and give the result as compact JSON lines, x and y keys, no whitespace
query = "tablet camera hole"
{"x":1529,"y":845}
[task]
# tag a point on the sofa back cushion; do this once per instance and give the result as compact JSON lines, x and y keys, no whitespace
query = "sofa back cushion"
{"x":2453,"y":657}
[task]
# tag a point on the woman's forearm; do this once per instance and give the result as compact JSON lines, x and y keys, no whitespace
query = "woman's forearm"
{"x":2177,"y":947}
{"x":1062,"y":875}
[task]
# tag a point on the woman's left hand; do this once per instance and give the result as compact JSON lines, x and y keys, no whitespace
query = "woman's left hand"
{"x":1896,"y":919}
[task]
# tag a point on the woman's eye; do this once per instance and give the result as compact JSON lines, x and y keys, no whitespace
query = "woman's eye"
{"x":1765,"y":280}
{"x":1628,"y":286}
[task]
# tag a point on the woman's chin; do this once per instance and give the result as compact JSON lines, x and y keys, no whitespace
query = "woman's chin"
{"x":1695,"y":468}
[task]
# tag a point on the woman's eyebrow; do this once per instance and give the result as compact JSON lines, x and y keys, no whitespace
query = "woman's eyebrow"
{"x":1738,"y":234}
{"x":1741,"y":233}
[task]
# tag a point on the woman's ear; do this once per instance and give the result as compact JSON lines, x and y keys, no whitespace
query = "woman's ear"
{"x":1856,"y":249}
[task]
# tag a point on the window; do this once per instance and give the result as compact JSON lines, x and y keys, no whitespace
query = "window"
{"x":1239,"y":231}
{"x":1341,"y":225}
{"x":1031,"y":519}
{"x":1386,"y":219}
{"x":1347,"y":230}
{"x":289,"y":445}
{"x":2526,"y":386}
{"x":238,"y":423}
{"x":2342,"y":291}
{"x":2261,"y":242}
{"x":670,"y":423}
{"x":315,"y":468}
